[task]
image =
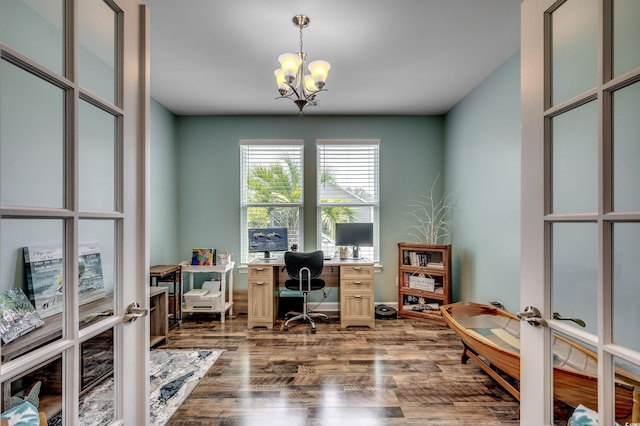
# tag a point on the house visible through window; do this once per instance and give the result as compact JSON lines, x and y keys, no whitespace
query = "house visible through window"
{"x":348,"y":189}
{"x":271,"y":190}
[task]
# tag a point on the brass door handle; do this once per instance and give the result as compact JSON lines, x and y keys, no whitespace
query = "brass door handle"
{"x":532,"y":316}
{"x":95,"y":315}
{"x":134,"y":311}
{"x":557,"y":316}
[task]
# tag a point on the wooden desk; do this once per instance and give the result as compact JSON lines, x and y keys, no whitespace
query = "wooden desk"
{"x":353,"y":277}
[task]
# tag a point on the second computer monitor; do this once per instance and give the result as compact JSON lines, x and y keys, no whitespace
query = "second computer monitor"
{"x":354,"y":234}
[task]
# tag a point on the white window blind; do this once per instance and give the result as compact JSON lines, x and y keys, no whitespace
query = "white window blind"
{"x":271,"y":189}
{"x":348,"y":189}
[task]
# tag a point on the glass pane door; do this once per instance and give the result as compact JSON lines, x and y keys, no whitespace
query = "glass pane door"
{"x":581,"y":227}
{"x":70,"y":238}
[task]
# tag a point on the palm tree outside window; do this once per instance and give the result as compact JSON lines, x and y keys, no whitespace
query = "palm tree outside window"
{"x":347,"y":189}
{"x":271,"y":189}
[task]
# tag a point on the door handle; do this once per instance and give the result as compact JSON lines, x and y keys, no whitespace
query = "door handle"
{"x":557,"y":316}
{"x":95,"y":315}
{"x":133,"y":312}
{"x":532,"y":316}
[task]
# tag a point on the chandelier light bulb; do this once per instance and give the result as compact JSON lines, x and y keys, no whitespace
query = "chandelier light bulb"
{"x":290,"y":62}
{"x":281,"y":82}
{"x":309,"y":83}
{"x":319,"y":70}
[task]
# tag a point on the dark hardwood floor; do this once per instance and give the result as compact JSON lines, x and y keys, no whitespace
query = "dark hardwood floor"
{"x":403,"y":372}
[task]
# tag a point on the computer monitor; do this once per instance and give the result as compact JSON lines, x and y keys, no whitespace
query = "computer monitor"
{"x":354,"y":234}
{"x":267,"y":240}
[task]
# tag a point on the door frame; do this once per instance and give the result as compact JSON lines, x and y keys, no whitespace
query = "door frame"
{"x":535,"y":388}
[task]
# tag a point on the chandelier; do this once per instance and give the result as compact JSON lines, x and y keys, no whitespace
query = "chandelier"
{"x":292,"y":81}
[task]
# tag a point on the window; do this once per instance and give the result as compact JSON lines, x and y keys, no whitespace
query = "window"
{"x":271,"y":189}
{"x":348,"y":189}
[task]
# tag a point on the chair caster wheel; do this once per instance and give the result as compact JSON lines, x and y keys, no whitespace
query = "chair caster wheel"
{"x":313,"y":331}
{"x":286,"y":328}
{"x":327,"y":320}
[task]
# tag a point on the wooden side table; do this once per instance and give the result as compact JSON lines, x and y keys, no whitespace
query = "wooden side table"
{"x":170,"y":274}
{"x":158,"y":317}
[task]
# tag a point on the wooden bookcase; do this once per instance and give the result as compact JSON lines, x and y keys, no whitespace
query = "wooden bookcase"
{"x":424,"y":280}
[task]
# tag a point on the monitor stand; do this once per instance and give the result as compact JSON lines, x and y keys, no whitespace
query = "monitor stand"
{"x":268,"y":258}
{"x":356,"y":253}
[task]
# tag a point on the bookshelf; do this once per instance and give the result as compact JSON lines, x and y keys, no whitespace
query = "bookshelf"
{"x":424,"y":280}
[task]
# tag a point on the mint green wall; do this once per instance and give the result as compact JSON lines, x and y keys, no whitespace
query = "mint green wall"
{"x":483,"y":172}
{"x":475,"y":148}
{"x":163,"y":198}
{"x":411,"y":157}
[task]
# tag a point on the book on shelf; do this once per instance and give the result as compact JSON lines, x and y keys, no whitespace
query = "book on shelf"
{"x":422,"y":259}
{"x":17,"y":315}
{"x":414,"y":258}
{"x":44,"y":266}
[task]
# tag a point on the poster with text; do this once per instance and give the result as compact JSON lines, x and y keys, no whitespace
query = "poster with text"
{"x":44,"y":273}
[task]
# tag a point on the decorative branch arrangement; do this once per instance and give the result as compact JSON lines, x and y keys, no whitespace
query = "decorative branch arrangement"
{"x":429,"y":221}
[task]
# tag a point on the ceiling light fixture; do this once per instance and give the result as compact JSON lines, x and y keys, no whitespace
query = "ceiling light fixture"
{"x":292,"y":82}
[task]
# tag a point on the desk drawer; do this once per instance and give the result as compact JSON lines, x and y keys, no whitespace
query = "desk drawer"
{"x":356,"y":272}
{"x":260,"y":273}
{"x":361,"y":286}
{"x":357,"y":310}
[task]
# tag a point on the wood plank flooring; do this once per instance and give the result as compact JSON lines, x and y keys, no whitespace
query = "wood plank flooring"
{"x":403,"y":372}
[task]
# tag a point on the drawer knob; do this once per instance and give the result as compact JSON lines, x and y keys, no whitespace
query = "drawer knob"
{"x":260,"y":282}
{"x":357,"y":282}
{"x":357,"y":268}
{"x":357,"y":296}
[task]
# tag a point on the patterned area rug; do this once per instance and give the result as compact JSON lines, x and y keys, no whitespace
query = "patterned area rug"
{"x":174,"y":373}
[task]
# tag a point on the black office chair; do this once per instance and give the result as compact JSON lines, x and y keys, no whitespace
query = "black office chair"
{"x":304,"y":270}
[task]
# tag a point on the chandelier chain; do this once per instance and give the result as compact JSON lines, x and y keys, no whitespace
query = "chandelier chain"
{"x":300,"y":38}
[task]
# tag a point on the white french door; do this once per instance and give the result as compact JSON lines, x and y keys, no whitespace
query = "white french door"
{"x":73,"y":204}
{"x":580,"y":205}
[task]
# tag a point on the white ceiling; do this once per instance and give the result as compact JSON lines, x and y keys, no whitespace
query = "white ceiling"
{"x":388,"y":57}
